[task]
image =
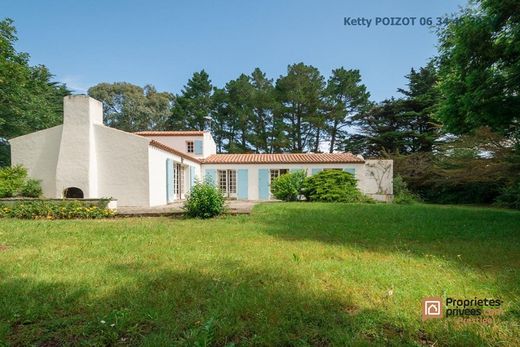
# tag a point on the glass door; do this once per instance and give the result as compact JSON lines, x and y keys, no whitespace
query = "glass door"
{"x":227,"y":182}
{"x":178,"y":181}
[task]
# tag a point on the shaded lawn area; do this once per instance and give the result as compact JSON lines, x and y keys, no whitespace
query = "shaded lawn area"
{"x":289,"y":274}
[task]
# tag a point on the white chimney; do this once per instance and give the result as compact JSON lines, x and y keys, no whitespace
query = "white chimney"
{"x":77,"y":158}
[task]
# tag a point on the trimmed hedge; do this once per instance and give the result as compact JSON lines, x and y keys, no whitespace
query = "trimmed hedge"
{"x":333,"y":186}
{"x":46,"y":209}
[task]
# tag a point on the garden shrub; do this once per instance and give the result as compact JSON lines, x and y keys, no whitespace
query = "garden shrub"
{"x":12,"y":179}
{"x":288,"y":187}
{"x":47,"y":209}
{"x":510,"y":197}
{"x":14,"y":182}
{"x":204,"y":201}
{"x":333,"y":186}
{"x":402,"y":195}
{"x":31,"y":189}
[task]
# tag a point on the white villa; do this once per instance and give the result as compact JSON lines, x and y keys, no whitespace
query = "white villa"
{"x":82,"y":158}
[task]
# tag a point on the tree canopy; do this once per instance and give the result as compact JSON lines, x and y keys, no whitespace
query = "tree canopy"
{"x":479,"y":75}
{"x":131,"y":108}
{"x":29,"y":98}
{"x":404,"y":125}
{"x":194,"y":104}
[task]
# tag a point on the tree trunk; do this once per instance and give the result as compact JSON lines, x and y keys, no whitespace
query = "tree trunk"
{"x":333,"y":136}
{"x":317,"y":144}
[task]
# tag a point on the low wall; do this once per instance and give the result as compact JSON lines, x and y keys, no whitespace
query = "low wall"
{"x":112,"y":204}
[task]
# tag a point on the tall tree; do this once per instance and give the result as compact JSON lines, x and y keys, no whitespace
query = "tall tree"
{"x":220,"y":119}
{"x":382,"y":128}
{"x":300,"y":95}
{"x":131,"y":108}
{"x":194,"y":104}
{"x":263,"y":129}
{"x":479,"y":75}
{"x":239,"y":94}
{"x":405,"y":125}
{"x":243,"y":114}
{"x":29,"y":99}
{"x":419,"y":107}
{"x":345,"y":96}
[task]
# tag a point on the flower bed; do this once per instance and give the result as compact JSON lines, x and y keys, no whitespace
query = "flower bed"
{"x":56,"y":209}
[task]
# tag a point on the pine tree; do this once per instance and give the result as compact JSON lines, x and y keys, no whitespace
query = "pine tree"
{"x":300,"y":96}
{"x":194,"y":105}
{"x":345,"y":96}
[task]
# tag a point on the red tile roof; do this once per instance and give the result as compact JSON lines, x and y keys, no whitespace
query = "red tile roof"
{"x":166,"y":148}
{"x":285,"y":158}
{"x":170,"y":133}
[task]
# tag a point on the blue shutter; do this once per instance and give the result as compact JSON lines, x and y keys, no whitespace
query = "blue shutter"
{"x":315,"y":170}
{"x":197,"y":147}
{"x":242,"y":186}
{"x":211,"y":175}
{"x":263,"y":184}
{"x":350,"y":171}
{"x":169,"y":180}
{"x":192,"y":176}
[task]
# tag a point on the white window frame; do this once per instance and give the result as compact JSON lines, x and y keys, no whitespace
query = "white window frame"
{"x":178,"y":180}
{"x":227,"y":182}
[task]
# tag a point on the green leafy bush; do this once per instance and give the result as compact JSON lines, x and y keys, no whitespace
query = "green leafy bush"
{"x":402,"y":195}
{"x":12,"y":179}
{"x":288,"y":187}
{"x":204,"y":201}
{"x":510,"y":197}
{"x":47,"y":209}
{"x":31,"y":189}
{"x":333,"y":186}
{"x":14,"y":182}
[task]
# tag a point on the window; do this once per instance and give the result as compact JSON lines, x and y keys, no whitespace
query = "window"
{"x":227,"y":182}
{"x":232,"y":181}
{"x":178,"y":180}
{"x":277,"y":173}
{"x":222,"y":180}
{"x":328,"y":169}
{"x":190,"y":148}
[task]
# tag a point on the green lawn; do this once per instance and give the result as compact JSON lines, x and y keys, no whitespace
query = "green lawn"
{"x":289,"y":274}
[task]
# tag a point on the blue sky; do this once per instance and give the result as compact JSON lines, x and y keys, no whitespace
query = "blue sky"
{"x":164,"y":42}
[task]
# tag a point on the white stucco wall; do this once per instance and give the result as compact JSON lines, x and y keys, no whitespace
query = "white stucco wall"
{"x":376,"y":180}
{"x":38,"y":152}
{"x":77,"y":160}
{"x":122,"y":165}
{"x":253,"y":171}
{"x":157,"y":174}
{"x":209,"y":146}
{"x":179,"y":143}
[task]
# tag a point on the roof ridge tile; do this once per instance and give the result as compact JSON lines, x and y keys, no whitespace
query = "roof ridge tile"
{"x":288,"y":158}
